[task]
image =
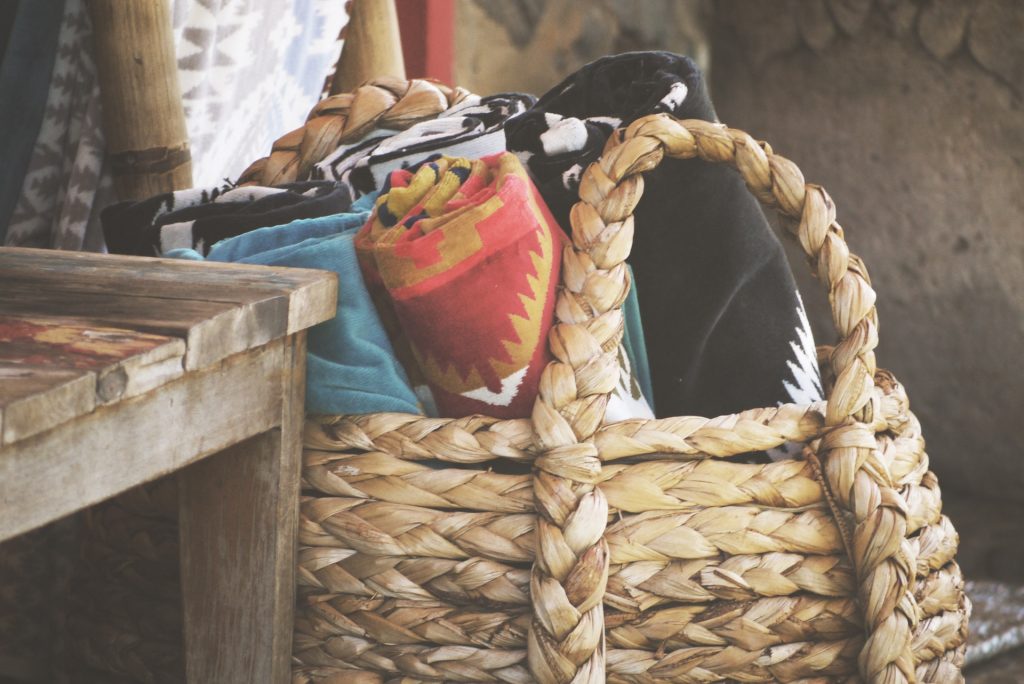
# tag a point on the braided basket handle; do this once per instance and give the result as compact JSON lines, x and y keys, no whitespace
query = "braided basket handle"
{"x":566,"y":640}
{"x":385,"y":102}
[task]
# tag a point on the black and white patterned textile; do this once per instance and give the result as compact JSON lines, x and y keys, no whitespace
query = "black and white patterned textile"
{"x":198,"y":218}
{"x":725,"y":326}
{"x":472,"y":129}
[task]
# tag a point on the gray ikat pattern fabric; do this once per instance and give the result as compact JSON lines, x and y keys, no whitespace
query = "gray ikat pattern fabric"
{"x":249,"y":71}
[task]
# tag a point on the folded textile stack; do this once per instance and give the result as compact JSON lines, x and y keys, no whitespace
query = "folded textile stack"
{"x":601,"y":542}
{"x":351,"y":366}
{"x":462,"y":255}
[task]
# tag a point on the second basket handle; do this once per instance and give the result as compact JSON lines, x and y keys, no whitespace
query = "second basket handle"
{"x":566,"y":641}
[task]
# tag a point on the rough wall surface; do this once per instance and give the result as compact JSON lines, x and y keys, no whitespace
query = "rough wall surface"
{"x":910,"y":114}
{"x":530,"y":45}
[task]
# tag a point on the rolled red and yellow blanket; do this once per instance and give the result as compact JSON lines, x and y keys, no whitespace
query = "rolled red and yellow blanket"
{"x":467,"y":257}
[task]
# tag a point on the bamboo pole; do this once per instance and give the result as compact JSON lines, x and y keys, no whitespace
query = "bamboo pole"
{"x":143,"y":116}
{"x":372,"y":47}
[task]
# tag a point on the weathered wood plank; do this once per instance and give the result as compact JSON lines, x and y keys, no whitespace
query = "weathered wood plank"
{"x":202,"y":275}
{"x":244,"y":376}
{"x":126,"y":362}
{"x":119,"y":446}
{"x":293,"y":419}
{"x":211,"y":330}
{"x":34,"y":399}
{"x":311,"y":294}
{"x":239,"y":525}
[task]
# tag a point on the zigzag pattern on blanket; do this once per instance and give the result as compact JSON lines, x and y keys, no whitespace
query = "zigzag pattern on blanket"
{"x":469,"y":258}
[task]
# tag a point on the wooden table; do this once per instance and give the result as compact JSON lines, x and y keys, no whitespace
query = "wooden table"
{"x":115,"y":371}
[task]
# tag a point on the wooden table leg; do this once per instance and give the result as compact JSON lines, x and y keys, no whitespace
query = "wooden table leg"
{"x":239,"y":528}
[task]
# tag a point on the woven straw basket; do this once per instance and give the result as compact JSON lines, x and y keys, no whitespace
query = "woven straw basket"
{"x":563,"y":549}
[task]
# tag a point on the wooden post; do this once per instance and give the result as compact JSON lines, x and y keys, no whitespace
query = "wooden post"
{"x":372,"y":47}
{"x":143,"y":116}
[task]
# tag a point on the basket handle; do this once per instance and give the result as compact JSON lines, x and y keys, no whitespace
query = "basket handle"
{"x":384,"y":102}
{"x":566,"y":640}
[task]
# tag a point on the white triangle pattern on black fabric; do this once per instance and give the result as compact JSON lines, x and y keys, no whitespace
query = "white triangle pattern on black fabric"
{"x":806,"y":386}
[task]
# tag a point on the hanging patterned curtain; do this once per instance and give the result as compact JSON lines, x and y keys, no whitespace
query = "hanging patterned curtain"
{"x":247,"y":68}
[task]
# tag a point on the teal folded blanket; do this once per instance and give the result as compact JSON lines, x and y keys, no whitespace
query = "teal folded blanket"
{"x":635,"y":344}
{"x":351,"y":366}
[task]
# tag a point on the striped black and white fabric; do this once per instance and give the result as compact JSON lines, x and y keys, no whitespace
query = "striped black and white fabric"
{"x":198,"y":218}
{"x":471,"y":129}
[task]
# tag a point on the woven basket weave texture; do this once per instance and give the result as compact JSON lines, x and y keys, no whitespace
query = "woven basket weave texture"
{"x":562,"y":549}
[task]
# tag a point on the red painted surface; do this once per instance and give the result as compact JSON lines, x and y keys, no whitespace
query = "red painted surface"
{"x":428,"y":31}
{"x":55,"y":343}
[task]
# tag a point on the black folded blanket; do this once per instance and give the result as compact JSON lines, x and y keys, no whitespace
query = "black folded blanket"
{"x":725,"y":327}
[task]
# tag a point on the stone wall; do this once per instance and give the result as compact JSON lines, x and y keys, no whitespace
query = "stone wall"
{"x":910,"y":113}
{"x":530,"y":45}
